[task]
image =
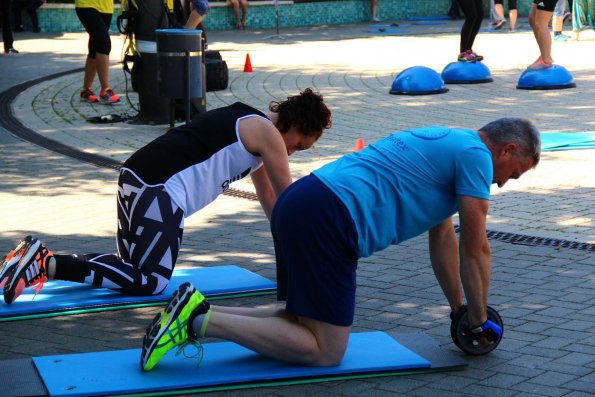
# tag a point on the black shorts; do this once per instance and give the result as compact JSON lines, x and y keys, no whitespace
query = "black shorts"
{"x":545,"y":5}
{"x":97,"y":25}
{"x":511,"y":4}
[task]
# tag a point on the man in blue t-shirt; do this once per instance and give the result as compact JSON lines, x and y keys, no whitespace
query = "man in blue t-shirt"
{"x":397,"y":188}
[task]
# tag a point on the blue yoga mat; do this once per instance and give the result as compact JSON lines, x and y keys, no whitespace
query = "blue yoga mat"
{"x":224,"y":363}
{"x":567,"y":140}
{"x":430,"y":18}
{"x":61,"y":296}
{"x":387,"y":31}
{"x":429,"y":23}
{"x":492,"y":30}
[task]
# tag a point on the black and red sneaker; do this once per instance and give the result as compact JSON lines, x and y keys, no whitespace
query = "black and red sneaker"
{"x":108,"y":97}
{"x":12,"y":258}
{"x":30,"y":271}
{"x":87,"y":95}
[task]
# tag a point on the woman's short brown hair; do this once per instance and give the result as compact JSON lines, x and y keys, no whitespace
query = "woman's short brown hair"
{"x":306,"y":111}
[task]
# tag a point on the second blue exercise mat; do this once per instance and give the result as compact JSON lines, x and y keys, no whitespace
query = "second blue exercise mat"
{"x":225,"y":363}
{"x":63,"y":297}
{"x":567,"y":140}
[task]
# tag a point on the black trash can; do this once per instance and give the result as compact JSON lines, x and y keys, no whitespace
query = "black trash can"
{"x":153,"y":108}
{"x":180,"y":67}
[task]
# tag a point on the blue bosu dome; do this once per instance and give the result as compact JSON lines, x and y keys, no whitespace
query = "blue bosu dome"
{"x":556,"y":77}
{"x":418,"y":80}
{"x":466,"y":73}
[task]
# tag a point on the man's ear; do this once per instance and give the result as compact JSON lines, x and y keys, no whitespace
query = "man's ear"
{"x":509,"y":148}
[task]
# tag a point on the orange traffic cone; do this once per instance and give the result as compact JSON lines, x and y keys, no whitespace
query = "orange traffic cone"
{"x":248,"y":64}
{"x":359,"y":145}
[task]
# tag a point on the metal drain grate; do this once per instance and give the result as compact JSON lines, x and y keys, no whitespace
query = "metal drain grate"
{"x":241,"y":194}
{"x":534,"y":241}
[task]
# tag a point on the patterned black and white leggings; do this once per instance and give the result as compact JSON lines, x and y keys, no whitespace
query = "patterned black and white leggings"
{"x":150,"y":229}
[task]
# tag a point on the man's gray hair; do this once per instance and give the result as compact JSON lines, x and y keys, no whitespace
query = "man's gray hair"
{"x":515,"y":130}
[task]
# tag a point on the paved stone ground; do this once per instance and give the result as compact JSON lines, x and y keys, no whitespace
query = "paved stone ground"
{"x":544,"y":294}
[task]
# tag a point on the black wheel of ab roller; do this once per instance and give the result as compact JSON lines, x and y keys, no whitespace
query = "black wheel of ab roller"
{"x":464,"y":339}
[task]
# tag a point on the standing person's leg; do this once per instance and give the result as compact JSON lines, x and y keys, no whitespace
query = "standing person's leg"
{"x":97,"y":63}
{"x":86,"y":17}
{"x":244,"y":6}
{"x":103,"y":47}
{"x":32,"y":11}
{"x":499,"y":11}
{"x":17,"y":11}
{"x":235,"y":4}
{"x":454,"y":12}
{"x":478,"y":20}
{"x":539,"y":17}
{"x":473,"y":10}
{"x":374,"y":10}
{"x":90,"y":72}
{"x":558,"y":21}
{"x":102,"y":63}
{"x":512,"y":14}
{"x":7,"y":37}
{"x":468,"y":10}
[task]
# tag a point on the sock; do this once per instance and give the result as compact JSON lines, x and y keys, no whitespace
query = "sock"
{"x":199,"y":325}
{"x":72,"y":267}
{"x":51,"y":268}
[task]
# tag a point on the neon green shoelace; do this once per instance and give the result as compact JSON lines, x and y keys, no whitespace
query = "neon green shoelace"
{"x":198,"y":354}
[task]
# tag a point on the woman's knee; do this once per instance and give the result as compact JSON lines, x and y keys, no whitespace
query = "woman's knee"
{"x":102,"y":45}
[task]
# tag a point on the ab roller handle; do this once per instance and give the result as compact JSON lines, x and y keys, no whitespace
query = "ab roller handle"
{"x":468,"y":340}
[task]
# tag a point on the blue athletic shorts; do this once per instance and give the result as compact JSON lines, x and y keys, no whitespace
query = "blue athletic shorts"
{"x":316,"y":250}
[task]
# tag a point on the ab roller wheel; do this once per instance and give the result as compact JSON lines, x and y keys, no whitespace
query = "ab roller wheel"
{"x":465,"y":340}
